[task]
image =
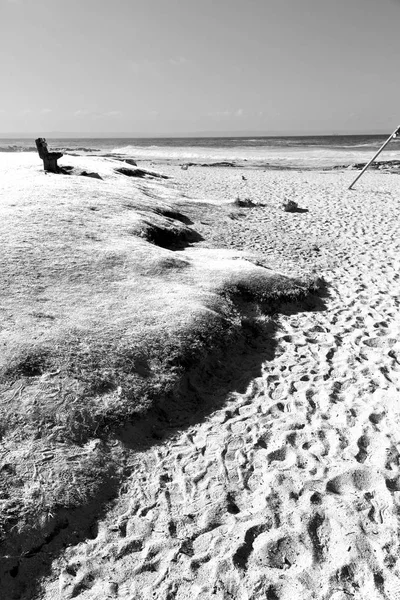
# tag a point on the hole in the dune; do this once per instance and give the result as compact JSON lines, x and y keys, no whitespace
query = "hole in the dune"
{"x":173,"y":214}
{"x":171,"y":238}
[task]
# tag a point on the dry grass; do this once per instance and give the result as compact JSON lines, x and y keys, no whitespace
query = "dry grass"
{"x":100,"y":320}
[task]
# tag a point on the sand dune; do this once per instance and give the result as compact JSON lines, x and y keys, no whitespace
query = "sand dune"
{"x":291,"y":489}
{"x":107,"y":311}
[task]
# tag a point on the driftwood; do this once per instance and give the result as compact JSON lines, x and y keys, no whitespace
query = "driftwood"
{"x":49,"y":158}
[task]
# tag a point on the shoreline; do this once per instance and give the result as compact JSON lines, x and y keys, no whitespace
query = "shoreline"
{"x":304,"y":152}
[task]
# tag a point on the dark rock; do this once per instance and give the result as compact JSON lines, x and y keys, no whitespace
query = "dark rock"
{"x":222,"y":163}
{"x":244,"y":203}
{"x":385,"y":164}
{"x":89,"y":174}
{"x":219,"y":164}
{"x":292,"y":207}
{"x":139,"y":173}
{"x":131,"y":172}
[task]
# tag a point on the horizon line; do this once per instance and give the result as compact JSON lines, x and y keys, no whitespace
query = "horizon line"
{"x":198,"y":134}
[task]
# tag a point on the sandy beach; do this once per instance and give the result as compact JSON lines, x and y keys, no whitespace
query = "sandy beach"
{"x":280,"y":477}
{"x":199,"y":320}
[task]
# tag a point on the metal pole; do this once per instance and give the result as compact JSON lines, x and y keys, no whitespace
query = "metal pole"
{"x":395,"y":133}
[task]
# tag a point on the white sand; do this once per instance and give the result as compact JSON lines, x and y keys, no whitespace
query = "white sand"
{"x":291,"y":490}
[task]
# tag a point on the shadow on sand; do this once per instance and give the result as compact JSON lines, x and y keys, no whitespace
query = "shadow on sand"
{"x":207,"y":387}
{"x":203,"y":390}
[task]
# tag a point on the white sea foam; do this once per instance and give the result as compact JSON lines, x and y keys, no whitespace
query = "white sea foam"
{"x":268,"y":156}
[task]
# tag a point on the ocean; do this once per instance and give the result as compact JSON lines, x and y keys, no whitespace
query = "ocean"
{"x":298,"y":152}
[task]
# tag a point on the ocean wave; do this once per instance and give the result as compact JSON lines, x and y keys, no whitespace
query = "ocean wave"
{"x":370,"y":145}
{"x":17,"y":148}
{"x":77,"y":149}
{"x":275,"y":156}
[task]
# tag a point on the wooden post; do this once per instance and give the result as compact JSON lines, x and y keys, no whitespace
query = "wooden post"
{"x":395,"y":133}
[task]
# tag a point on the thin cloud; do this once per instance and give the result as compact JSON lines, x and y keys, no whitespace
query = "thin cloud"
{"x":46,"y":111}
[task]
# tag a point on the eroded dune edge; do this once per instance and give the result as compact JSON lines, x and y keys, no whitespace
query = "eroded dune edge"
{"x":118,"y":330}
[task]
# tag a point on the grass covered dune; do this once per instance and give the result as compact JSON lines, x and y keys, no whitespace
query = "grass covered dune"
{"x":107,"y":307}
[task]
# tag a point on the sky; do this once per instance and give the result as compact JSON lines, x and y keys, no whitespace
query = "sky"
{"x":185,"y":67}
